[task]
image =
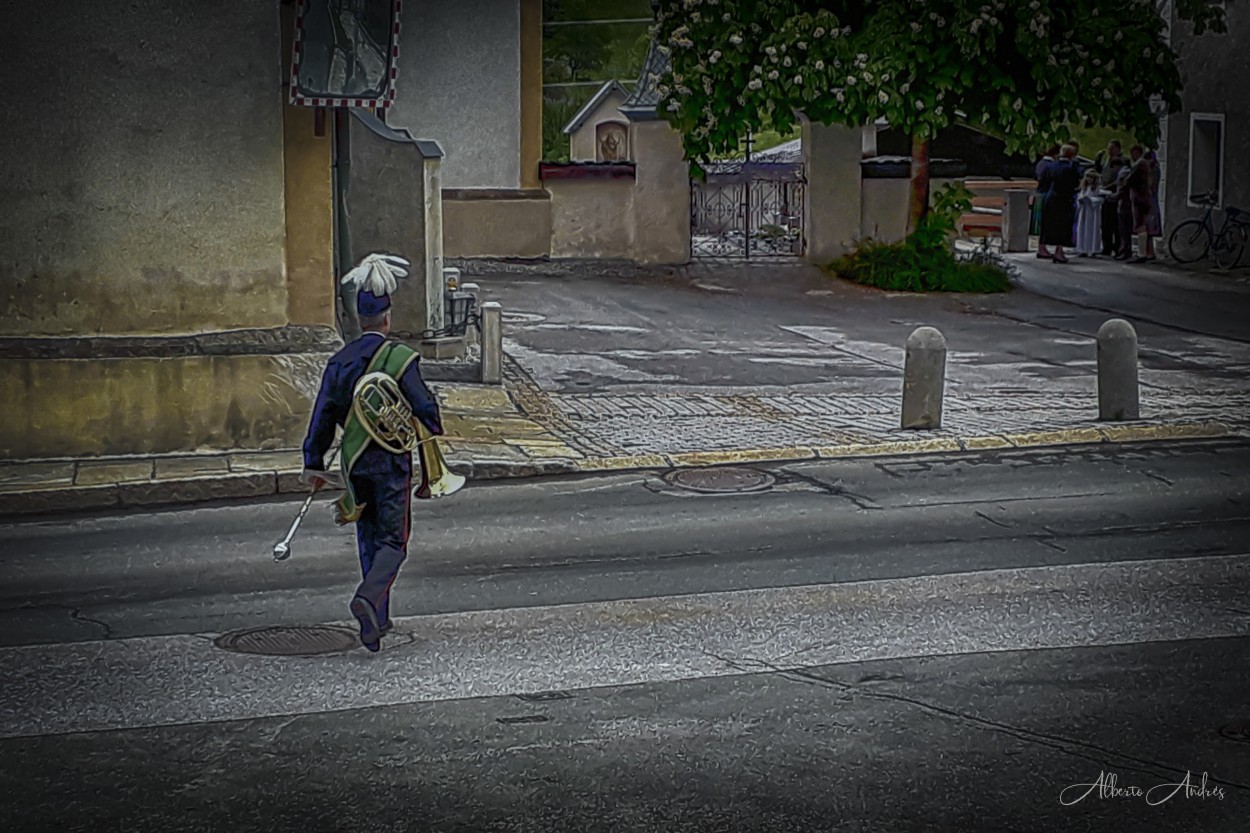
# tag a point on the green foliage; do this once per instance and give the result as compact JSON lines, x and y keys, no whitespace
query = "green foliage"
{"x":1094,"y":139}
{"x":910,"y":267}
{"x":1021,"y":70}
{"x":558,"y":108}
{"x":925,"y":261}
{"x":590,"y":53}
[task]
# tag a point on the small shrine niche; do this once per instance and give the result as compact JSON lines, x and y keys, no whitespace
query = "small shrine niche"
{"x":611,"y":142}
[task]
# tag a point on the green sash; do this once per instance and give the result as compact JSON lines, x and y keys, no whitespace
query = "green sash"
{"x":393,"y":358}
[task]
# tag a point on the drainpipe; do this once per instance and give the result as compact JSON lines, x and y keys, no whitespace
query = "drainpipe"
{"x":349,"y":327}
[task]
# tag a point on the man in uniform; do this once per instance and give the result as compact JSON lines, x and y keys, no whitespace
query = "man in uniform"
{"x":378,"y":483}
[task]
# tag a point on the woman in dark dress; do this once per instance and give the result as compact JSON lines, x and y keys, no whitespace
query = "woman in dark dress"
{"x":1060,"y":181}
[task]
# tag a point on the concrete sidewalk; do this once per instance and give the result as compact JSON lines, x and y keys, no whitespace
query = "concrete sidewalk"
{"x":708,"y":366}
{"x":521,"y":431}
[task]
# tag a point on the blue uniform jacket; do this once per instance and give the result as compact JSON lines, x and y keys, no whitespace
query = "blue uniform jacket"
{"x":334,"y":402}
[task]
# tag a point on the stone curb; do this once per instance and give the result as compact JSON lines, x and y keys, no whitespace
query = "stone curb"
{"x":235,"y":485}
{"x":1103,"y":435}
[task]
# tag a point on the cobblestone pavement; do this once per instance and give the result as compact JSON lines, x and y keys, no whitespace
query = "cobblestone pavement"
{"x":679,"y":422}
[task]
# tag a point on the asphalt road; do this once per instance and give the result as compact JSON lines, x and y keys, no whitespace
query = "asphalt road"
{"x":927,"y":644}
{"x":1204,"y":304}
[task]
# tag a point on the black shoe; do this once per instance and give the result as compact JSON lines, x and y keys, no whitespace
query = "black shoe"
{"x":370,"y":633}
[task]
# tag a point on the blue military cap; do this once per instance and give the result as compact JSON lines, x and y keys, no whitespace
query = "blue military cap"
{"x":369,"y":305}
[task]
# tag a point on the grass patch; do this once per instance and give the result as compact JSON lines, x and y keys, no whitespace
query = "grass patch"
{"x":905,"y":267}
{"x":925,"y":261}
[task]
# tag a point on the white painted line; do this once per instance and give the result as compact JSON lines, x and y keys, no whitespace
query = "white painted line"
{"x":132,"y":683}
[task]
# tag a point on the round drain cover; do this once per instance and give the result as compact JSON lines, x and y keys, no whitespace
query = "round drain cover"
{"x":716,"y":480}
{"x":288,"y":642}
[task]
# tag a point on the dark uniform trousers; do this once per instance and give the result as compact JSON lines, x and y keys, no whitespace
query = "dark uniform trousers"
{"x":384,"y":486}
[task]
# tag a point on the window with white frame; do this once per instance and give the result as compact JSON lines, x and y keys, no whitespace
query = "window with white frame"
{"x":1206,"y":158}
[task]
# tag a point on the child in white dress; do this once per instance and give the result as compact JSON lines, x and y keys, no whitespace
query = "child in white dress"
{"x":1089,"y":217}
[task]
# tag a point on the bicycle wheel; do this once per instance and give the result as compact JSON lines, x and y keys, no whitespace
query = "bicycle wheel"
{"x":1189,"y":241}
{"x":1230,"y":247}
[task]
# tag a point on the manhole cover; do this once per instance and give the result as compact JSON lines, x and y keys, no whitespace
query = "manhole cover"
{"x":720,"y":480}
{"x":288,"y":642}
{"x":1237,"y":731}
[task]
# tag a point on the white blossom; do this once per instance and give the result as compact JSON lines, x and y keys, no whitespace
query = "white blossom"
{"x":883,"y":97}
{"x":774,"y":75}
{"x":798,"y":79}
{"x":754,"y":84}
{"x":735,"y":39}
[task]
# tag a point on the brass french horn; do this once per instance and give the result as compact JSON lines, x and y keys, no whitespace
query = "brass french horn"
{"x":380,"y":406}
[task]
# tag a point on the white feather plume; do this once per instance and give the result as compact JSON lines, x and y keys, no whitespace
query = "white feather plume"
{"x":378,"y":273}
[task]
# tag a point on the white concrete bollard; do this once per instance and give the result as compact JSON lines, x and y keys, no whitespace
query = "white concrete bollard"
{"x":1118,"y":397}
{"x":924,"y":379}
{"x":492,"y":343}
{"x":1016,"y":221}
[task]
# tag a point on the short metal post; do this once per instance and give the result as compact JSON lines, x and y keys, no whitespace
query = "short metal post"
{"x":924,"y":379}
{"x":1118,"y":397}
{"x":492,"y":343}
{"x":471,"y":335}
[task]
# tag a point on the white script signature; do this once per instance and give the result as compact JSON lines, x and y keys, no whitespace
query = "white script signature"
{"x":1107,"y":785}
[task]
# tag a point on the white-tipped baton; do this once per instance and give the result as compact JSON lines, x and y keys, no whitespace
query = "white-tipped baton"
{"x":282,"y":549}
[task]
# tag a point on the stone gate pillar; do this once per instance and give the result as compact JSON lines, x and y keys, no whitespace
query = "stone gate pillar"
{"x":831,"y":218}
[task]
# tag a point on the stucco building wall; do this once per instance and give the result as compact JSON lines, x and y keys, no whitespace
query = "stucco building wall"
{"x":483,"y":223}
{"x":460,"y":85}
{"x":142,"y":178}
{"x":165,"y":238}
{"x":1208,"y":63}
{"x":592,"y":218}
{"x":884,"y":205}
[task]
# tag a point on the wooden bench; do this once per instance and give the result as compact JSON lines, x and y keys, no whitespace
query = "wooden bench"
{"x":985,"y":220}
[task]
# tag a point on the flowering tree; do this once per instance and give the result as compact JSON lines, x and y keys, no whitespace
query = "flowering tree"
{"x":1019,"y":69}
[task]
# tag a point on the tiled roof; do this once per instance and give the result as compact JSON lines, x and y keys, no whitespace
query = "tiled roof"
{"x":645,"y":97}
{"x":595,"y":100}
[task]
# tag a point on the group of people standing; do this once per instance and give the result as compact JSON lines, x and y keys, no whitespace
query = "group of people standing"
{"x":1096,"y":210}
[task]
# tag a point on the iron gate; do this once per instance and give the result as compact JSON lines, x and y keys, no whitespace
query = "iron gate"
{"x":748,"y":209}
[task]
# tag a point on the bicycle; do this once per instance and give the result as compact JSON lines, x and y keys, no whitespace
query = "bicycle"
{"x":1193,"y":240}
